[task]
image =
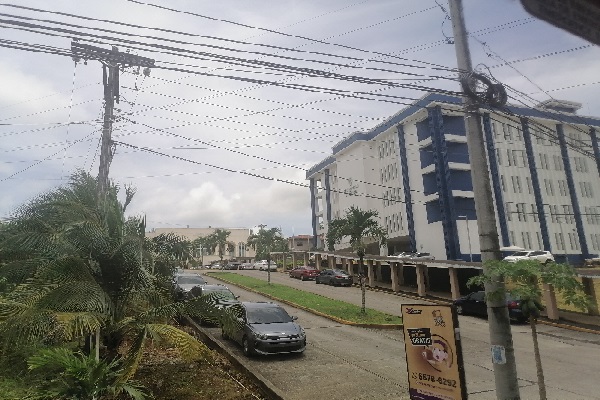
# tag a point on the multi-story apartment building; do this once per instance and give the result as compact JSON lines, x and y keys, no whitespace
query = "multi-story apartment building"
{"x":414,"y":170}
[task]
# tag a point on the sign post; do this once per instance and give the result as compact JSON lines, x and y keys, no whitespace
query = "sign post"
{"x":433,"y":353}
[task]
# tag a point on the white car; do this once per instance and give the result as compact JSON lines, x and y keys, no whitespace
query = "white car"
{"x":263,"y":265}
{"x":539,"y":255}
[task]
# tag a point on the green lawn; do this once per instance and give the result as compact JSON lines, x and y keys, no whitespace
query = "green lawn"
{"x":322,"y":304}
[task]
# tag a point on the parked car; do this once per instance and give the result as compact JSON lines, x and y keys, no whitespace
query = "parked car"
{"x":334,"y":277}
{"x":404,"y":254}
{"x":216,"y":298}
{"x":421,"y":256}
{"x":184,"y":283}
{"x":304,"y":273}
{"x":475,"y":304}
{"x":247,"y":266}
{"x":539,"y":255}
{"x":263,"y":265}
{"x":232,"y":266}
{"x":263,"y":328}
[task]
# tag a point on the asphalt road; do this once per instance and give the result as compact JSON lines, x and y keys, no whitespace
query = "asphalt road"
{"x":345,"y":362}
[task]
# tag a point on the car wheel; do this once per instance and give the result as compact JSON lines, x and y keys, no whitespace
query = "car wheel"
{"x":302,"y":278}
{"x":459,"y":310}
{"x":247,"y":347}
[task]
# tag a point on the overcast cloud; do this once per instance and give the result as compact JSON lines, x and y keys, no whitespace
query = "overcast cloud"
{"x":227,"y":152}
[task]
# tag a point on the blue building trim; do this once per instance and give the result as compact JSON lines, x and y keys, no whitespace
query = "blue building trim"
{"x":328,"y":194}
{"x":571,"y":184}
{"x":495,"y":174}
{"x":442,"y":172}
{"x":313,"y":202}
{"x":410,"y":218}
{"x":424,"y":102}
{"x":535,"y":182}
{"x":594,"y":136}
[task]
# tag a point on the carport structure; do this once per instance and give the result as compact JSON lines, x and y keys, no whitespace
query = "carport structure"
{"x":438,"y":278}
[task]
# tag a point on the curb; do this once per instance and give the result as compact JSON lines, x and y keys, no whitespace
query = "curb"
{"x":336,"y":319}
{"x":259,"y":380}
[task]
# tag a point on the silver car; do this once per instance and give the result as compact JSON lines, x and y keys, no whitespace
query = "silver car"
{"x":263,"y":328}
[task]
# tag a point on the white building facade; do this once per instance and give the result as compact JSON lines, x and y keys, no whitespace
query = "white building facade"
{"x":414,"y":170}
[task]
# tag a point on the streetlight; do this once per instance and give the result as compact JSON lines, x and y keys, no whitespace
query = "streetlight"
{"x":469,"y":236}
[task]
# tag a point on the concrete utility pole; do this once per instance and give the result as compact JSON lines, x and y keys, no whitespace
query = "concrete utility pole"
{"x":503,"y":356}
{"x":111,"y":61}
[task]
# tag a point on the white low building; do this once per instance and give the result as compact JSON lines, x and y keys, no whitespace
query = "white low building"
{"x":414,"y":170}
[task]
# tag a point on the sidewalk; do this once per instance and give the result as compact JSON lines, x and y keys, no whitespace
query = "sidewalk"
{"x":568,"y":319}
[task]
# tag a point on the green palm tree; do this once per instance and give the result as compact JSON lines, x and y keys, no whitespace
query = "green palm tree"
{"x":358,"y":226}
{"x":218,"y":241}
{"x":264,"y":242}
{"x":76,"y":266}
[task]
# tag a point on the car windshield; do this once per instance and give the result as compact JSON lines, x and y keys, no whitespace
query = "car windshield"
{"x":222,"y":293}
{"x":520,"y":254}
{"x":190,"y":280}
{"x":267,"y":315}
{"x":340,"y":272}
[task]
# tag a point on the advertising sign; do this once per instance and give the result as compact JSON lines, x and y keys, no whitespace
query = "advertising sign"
{"x":433,"y":353}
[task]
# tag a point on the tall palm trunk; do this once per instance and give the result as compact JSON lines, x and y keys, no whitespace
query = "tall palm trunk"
{"x":361,"y":279}
{"x":538,"y":359}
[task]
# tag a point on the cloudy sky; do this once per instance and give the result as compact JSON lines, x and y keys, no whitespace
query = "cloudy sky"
{"x":246,"y":95}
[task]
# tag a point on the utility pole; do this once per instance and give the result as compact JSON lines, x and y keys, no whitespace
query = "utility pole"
{"x":111,"y":61}
{"x":503,"y":356}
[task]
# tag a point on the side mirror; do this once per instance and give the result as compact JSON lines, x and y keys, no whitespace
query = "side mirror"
{"x":237,"y":297}
{"x":294,"y":318}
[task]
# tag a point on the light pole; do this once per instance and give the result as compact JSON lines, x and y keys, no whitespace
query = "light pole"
{"x":468,"y":235}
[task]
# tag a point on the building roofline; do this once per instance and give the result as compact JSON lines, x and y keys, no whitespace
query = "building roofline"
{"x":429,"y":98}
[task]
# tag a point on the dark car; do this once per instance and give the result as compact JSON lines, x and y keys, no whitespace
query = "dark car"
{"x":334,"y":277}
{"x":304,"y":273}
{"x":213,"y":300}
{"x":474,"y":304}
{"x":263,"y":328}
{"x":185,"y":282}
{"x":232,"y":266}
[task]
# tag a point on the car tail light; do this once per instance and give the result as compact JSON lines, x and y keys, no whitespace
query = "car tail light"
{"x":340,"y":276}
{"x":512,"y":304}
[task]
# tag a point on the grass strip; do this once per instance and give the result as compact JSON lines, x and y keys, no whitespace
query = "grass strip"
{"x":336,"y":308}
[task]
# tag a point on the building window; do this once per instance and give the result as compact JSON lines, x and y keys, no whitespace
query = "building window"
{"x":526,"y":236}
{"x":495,"y":130}
{"x":560,"y":241}
{"x":509,"y":212}
{"x":580,"y":164}
{"x":538,"y":236}
{"x":512,"y":237}
{"x":534,"y":213}
{"x":595,"y":240}
{"x":543,"y":161}
{"x":554,"y":214}
{"x":549,"y":187}
{"x":502,"y":183}
{"x":562,"y":187}
{"x":521,"y":214}
{"x":568,"y":214}
{"x":507,"y":129}
{"x":558,"y":164}
{"x":516,"y":184}
{"x":586,"y":189}
{"x":573,"y":241}
{"x":498,"y":157}
{"x":529,"y":185}
{"x":509,"y":157}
